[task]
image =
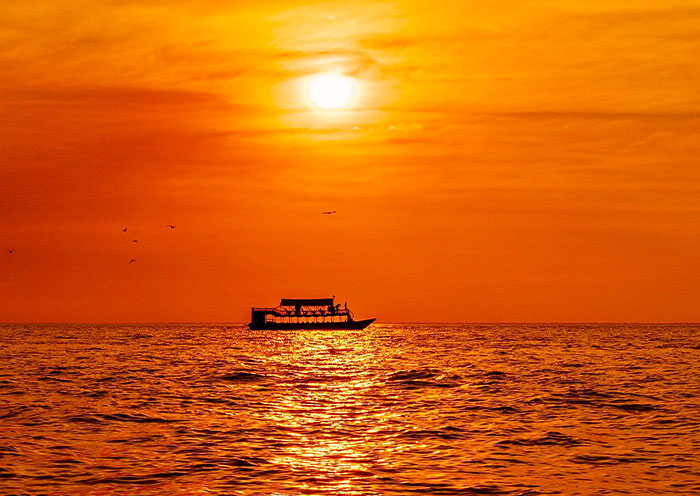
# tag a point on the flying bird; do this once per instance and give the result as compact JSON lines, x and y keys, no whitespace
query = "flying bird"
{"x":134,"y":240}
{"x":11,"y":251}
{"x":170,"y":226}
{"x":132,"y":260}
{"x":124,"y":230}
{"x":328,"y":213}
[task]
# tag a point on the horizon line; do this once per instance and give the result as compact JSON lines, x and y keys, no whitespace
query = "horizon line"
{"x":383,"y":323}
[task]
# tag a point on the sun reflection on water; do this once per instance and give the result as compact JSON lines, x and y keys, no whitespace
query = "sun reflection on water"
{"x":328,"y":403}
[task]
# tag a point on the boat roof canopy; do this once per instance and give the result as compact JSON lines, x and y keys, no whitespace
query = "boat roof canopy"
{"x":306,"y":302}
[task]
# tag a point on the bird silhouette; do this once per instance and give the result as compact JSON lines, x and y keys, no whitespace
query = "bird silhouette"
{"x":170,"y":226}
{"x":328,"y":213}
{"x":11,"y":251}
{"x":124,"y":230}
{"x":132,"y":260}
{"x":134,"y":240}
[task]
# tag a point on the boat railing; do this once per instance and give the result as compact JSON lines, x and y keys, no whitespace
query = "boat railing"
{"x":265,"y":309}
{"x":292,"y":312}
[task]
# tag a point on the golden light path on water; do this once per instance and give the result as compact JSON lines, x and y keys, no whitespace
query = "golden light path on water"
{"x":329,"y":406}
{"x":393,"y":410}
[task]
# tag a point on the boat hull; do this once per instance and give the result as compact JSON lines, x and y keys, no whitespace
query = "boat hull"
{"x":311,"y":326}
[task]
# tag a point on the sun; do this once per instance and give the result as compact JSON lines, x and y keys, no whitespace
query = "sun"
{"x":331,"y":91}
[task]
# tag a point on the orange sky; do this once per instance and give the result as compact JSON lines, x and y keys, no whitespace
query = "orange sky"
{"x":504,"y":161}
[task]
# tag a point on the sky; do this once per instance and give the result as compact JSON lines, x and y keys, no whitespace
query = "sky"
{"x":531,"y":161}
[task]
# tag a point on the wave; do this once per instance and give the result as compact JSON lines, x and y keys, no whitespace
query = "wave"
{"x":242,"y":376}
{"x":6,"y":474}
{"x":549,"y":439}
{"x":444,"y":433}
{"x":119,"y":417}
{"x":424,"y":377}
{"x":607,"y":460}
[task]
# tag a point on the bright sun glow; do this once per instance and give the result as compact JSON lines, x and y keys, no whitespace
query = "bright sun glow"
{"x":331,"y":91}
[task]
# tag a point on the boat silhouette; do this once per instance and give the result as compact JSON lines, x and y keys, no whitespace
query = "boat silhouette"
{"x":305,"y":313}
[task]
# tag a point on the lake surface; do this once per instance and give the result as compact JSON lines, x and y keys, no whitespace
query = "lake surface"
{"x":392,"y":410}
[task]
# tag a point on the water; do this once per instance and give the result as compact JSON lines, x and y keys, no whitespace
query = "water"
{"x":392,"y":410}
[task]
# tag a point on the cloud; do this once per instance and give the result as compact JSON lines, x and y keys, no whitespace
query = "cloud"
{"x":597,"y":115}
{"x":655,"y":22}
{"x":120,"y":96}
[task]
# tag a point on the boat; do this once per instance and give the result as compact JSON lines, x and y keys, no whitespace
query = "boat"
{"x":306,"y":313}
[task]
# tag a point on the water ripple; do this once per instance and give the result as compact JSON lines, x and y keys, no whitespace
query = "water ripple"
{"x":394,"y":410}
